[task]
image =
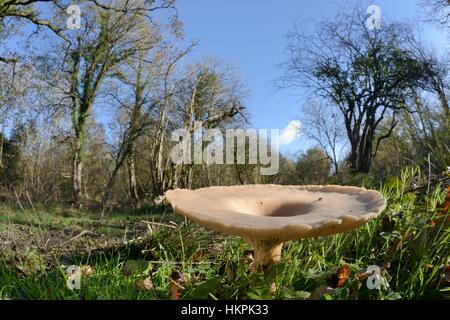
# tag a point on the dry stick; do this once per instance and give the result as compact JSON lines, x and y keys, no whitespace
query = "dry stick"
{"x":162,"y":218}
{"x":26,"y":216}
{"x":19,"y":203}
{"x":425,"y":186}
{"x":182,"y":262}
{"x":429,"y":173}
{"x":34,"y":210}
{"x":31,"y":202}
{"x":21,"y":207}
{"x":79,"y":236}
{"x":159,"y":224}
{"x":46,"y":243}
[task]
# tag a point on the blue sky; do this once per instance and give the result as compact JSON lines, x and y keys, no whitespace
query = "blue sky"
{"x":250,"y":34}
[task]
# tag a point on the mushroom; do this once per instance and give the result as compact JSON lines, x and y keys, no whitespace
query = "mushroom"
{"x":268,"y":215}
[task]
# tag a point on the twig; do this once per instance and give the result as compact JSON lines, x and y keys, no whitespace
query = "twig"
{"x":26,"y":216}
{"x":31,"y":202}
{"x":429,"y":173}
{"x":159,"y":224}
{"x":426,"y":185}
{"x":79,"y":236}
{"x":34,"y":210}
{"x":182,"y":262}
{"x":18,"y":201}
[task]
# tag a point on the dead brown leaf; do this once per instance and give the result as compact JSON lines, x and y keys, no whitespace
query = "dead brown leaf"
{"x":445,"y":279}
{"x":341,"y":276}
{"x":86,"y":270}
{"x":144,"y":284}
{"x":176,"y":285}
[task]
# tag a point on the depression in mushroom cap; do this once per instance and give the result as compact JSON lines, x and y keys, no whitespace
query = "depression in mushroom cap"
{"x":278,"y":213}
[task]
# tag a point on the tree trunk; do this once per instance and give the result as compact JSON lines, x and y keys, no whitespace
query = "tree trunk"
{"x":78,"y":125}
{"x":189,"y":177}
{"x":1,"y":150}
{"x":108,"y":190}
{"x":160,"y":156}
{"x":336,"y":167}
{"x":132,"y":178}
{"x":365,"y":162}
{"x":77,"y":168}
{"x":354,"y":157}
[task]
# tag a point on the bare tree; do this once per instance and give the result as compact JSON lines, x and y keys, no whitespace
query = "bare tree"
{"x":438,"y":9}
{"x":323,"y":124}
{"x":108,"y":39}
{"x":367,"y":74}
{"x":141,"y":76}
{"x":26,"y":10}
{"x":211,"y":96}
{"x":437,"y":74}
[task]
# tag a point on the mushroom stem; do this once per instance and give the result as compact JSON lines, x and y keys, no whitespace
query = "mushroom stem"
{"x":266,"y":253}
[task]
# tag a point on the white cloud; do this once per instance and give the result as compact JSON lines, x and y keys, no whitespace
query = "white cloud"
{"x":291,"y":132}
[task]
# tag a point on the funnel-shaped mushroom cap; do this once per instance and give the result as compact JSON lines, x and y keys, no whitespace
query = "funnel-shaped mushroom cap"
{"x":278,"y":213}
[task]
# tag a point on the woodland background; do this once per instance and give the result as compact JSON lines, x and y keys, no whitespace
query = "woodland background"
{"x":86,"y":115}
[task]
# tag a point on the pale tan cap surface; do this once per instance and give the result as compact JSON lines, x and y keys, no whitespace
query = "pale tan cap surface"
{"x":279,"y":213}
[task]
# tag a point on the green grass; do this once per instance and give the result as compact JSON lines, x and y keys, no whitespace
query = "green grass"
{"x":412,"y":250}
